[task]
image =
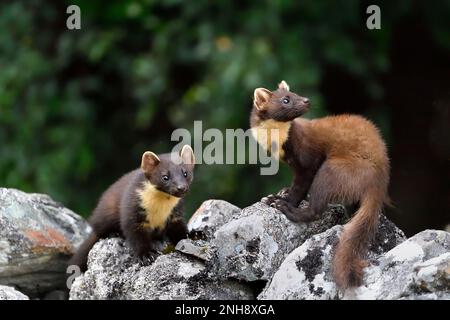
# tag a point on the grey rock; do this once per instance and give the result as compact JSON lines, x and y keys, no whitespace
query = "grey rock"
{"x":37,"y":237}
{"x":9,"y":293}
{"x":254,"y":244}
{"x":211,"y":215}
{"x":196,"y":248}
{"x":428,"y":296}
{"x":417,"y":268}
{"x":305,"y":273}
{"x":114,"y":273}
{"x":432,"y":275}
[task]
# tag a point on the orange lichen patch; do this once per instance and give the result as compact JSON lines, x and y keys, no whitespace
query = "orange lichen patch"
{"x":48,"y":240}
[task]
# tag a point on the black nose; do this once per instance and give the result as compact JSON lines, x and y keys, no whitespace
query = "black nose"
{"x":306,"y":101}
{"x":181,"y":188}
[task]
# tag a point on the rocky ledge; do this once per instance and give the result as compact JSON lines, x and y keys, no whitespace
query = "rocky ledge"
{"x":257,"y":253}
{"x":232,"y":253}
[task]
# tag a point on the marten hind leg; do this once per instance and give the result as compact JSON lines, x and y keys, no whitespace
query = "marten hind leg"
{"x":319,"y":196}
{"x":337,"y":180}
{"x":333,"y":181}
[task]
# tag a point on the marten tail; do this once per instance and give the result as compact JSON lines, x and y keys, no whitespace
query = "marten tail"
{"x":348,"y":262}
{"x":80,"y":257}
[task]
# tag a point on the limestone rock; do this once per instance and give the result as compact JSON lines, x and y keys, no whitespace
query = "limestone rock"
{"x":9,"y":293}
{"x":254,"y":244}
{"x":417,"y":268}
{"x":114,"y":273}
{"x":37,"y":237}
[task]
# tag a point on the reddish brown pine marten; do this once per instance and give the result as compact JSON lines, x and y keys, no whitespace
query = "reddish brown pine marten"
{"x":144,"y":205}
{"x":336,"y":158}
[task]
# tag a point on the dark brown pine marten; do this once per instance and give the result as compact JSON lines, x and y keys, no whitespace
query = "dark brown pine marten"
{"x":336,"y":158}
{"x":144,"y":205}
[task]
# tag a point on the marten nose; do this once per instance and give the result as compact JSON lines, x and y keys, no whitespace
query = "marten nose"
{"x":306,"y":101}
{"x":181,"y":188}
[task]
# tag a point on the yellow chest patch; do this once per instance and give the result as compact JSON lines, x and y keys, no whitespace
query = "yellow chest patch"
{"x":158,"y":205}
{"x":271,"y":135}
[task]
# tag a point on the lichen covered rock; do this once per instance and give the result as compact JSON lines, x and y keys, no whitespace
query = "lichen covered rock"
{"x":37,"y":237}
{"x":233,"y":252}
{"x":417,"y":268}
{"x":254,"y":244}
{"x":115,"y":273}
{"x":211,"y":215}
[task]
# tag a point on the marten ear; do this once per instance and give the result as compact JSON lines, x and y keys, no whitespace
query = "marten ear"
{"x":149,"y":161}
{"x":260,"y":97}
{"x":187,"y":156}
{"x":283,"y":85}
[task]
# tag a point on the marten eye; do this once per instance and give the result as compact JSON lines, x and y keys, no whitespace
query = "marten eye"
{"x":185,"y":174}
{"x":165,"y":177}
{"x":286,"y":100}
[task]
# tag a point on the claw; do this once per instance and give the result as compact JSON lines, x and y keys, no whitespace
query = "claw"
{"x":268,"y":199}
{"x":282,"y":205}
{"x":283,"y":193}
{"x":149,"y":257}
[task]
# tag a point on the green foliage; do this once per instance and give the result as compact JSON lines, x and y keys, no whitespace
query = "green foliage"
{"x":78,"y":108}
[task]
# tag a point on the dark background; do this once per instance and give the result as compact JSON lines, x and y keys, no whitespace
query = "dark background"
{"x":78,"y":108}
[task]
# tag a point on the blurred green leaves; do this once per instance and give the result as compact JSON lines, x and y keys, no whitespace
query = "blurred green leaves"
{"x":78,"y":108}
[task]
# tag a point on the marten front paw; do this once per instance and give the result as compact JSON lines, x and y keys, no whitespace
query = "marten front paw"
{"x":281,"y":205}
{"x":283,"y":194}
{"x":149,"y":257}
{"x":269,"y":199}
{"x":293,"y":213}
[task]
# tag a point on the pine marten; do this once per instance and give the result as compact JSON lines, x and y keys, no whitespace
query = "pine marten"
{"x":144,"y":205}
{"x":336,"y":158}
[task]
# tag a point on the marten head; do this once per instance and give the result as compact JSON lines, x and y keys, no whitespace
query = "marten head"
{"x":279,"y":105}
{"x":167,"y":175}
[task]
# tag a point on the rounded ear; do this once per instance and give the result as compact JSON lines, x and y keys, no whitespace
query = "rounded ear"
{"x":187,"y":155}
{"x":283,"y":85}
{"x":149,"y":161}
{"x":260,"y":97}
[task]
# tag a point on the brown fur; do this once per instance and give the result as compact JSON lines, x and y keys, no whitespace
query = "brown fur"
{"x":337,"y":158}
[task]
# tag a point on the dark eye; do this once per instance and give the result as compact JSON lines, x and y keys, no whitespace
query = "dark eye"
{"x":165,"y":177}
{"x":185,"y":174}
{"x":286,"y":100}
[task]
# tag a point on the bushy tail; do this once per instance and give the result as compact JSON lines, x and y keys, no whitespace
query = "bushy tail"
{"x":80,"y":257}
{"x":349,"y":262}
